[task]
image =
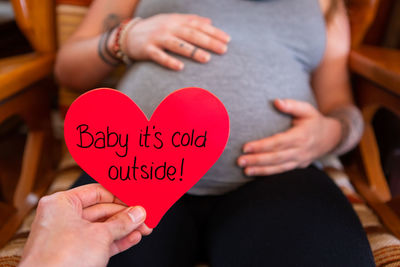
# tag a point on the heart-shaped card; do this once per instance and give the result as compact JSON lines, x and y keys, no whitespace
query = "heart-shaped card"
{"x":150,"y":163}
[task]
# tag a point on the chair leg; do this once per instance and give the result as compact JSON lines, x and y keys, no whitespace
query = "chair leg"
{"x":30,"y":163}
{"x":38,"y":164}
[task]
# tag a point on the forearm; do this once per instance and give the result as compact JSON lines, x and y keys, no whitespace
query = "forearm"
{"x":79,"y":64}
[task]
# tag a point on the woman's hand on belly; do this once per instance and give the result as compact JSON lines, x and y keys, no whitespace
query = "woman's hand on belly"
{"x":178,"y":33}
{"x":311,"y":136}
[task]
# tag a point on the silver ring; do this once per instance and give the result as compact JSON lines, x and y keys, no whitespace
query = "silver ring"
{"x":193,"y":52}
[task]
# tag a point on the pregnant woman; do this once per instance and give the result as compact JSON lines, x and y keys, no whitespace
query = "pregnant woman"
{"x":279,"y":66}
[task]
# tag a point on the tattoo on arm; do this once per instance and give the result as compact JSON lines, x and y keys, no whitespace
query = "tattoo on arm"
{"x":111,"y":21}
{"x":352,"y":127}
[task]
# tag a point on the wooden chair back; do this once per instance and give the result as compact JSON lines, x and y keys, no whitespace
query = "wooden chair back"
{"x":36,"y":19}
{"x":376,"y":84}
{"x":361,"y":15}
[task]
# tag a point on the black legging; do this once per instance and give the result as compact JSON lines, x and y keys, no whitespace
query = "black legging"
{"x":297,"y":218}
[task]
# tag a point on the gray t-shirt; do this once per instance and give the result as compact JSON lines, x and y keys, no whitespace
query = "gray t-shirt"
{"x":275,"y":45}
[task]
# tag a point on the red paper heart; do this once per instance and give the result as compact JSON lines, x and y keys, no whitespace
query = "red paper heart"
{"x":194,"y":111}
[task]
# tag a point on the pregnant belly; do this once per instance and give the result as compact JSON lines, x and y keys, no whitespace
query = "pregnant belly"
{"x":247,"y":95}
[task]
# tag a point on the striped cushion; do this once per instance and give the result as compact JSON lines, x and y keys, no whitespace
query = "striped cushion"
{"x":385,"y":246}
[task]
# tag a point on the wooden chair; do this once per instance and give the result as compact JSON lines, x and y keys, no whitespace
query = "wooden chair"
{"x":376,"y":72}
{"x":375,"y":69}
{"x":25,"y":94}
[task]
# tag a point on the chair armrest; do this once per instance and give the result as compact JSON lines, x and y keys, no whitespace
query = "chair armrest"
{"x":16,"y":73}
{"x":379,"y":65}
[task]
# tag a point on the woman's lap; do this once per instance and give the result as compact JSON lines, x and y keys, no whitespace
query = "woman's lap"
{"x":172,"y":243}
{"x":298,"y":218}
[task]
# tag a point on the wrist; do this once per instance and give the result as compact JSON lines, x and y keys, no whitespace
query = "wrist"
{"x":121,"y":35}
{"x":39,"y":259}
{"x":104,"y":51}
{"x":335,"y":131}
{"x":40,"y":250}
{"x":352,"y":126}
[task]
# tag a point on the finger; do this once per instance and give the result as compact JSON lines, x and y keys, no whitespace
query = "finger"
{"x":267,"y":159}
{"x":295,"y":108}
{"x":183,"y":48}
{"x":269,"y":170}
{"x":276,"y":142}
{"x":124,"y":222}
{"x":210,"y":30}
{"x":92,"y":194}
{"x":101,"y":211}
{"x":200,"y":39}
{"x":144,"y":229}
{"x":191,"y":17}
{"x":126,"y":242}
{"x":158,"y":55}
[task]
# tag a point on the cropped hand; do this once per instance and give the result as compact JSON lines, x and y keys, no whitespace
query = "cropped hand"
{"x":311,"y":136}
{"x":178,"y":33}
{"x":84,"y":226}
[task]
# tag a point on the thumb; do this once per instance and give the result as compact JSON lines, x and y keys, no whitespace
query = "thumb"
{"x":124,"y":222}
{"x":294,"y":107}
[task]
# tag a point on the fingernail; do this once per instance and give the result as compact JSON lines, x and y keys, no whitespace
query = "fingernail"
{"x":179,"y":66}
{"x":206,"y":57}
{"x":249,"y":171}
{"x":223,"y":49}
{"x":247,"y":149}
{"x":242,"y":162}
{"x":281,"y":102}
{"x":228,"y":38}
{"x":136,"y":214}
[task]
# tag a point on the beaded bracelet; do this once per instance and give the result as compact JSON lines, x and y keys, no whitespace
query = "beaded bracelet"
{"x":120,"y":37}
